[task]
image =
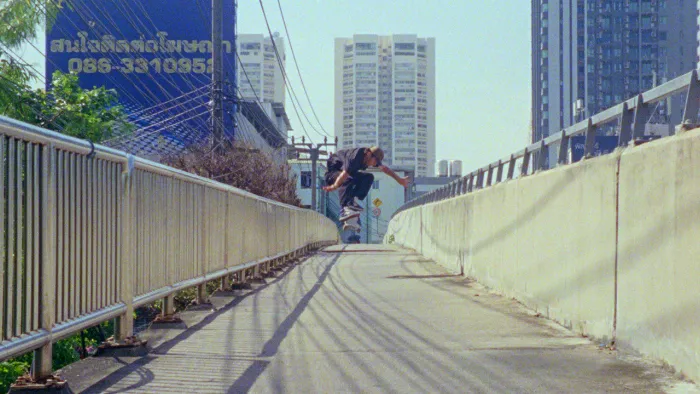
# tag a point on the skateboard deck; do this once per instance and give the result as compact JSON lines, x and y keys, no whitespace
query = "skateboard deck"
{"x":350,"y":232}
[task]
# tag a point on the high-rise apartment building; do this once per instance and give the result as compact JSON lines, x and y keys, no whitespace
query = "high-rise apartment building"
{"x":385,"y":96}
{"x":600,"y":53}
{"x":259,"y":73}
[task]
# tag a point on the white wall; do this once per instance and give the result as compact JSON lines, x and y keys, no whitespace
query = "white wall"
{"x":304,"y":194}
{"x":392,"y":196}
{"x":606,"y":246}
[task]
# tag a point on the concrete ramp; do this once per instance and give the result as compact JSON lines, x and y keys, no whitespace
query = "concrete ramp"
{"x":368,"y":318}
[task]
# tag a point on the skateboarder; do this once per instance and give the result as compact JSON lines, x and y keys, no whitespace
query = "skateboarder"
{"x":345,"y":175}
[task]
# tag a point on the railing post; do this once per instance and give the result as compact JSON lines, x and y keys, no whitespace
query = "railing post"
{"x":125,"y":323}
{"x":511,"y":167}
{"x":489,"y":177}
{"x":168,"y":306}
{"x":563,"y":148}
{"x":499,"y":174}
{"x":465,"y":184}
{"x":641,"y":114}
{"x":526,"y":163}
{"x":625,"y":125}
{"x":480,"y":178}
{"x":42,"y":361}
{"x":470,"y":185}
{"x":542,"y":157}
{"x":590,"y":140}
{"x":226,"y":282}
{"x":202,"y":294}
{"x":692,"y":100}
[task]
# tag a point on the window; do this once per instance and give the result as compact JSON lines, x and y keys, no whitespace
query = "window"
{"x":365,"y":46}
{"x":405,"y":46}
{"x":306,"y":179}
{"x":250,"y":46}
{"x":375,"y":185}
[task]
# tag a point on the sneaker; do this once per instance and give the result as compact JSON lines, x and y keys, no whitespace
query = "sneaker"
{"x":355,"y":206}
{"x":347,"y":213}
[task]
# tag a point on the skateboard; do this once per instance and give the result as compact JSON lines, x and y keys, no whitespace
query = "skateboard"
{"x":351,"y":230}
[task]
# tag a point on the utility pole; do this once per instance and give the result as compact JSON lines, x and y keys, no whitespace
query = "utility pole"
{"x":314,"y":152}
{"x":217,"y":118}
{"x":369,"y":198}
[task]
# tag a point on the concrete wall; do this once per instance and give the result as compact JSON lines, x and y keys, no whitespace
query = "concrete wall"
{"x":567,"y":243}
{"x":659,"y":251}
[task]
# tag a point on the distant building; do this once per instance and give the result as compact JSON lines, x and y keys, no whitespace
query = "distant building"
{"x":264,"y":127}
{"x":302,"y":170}
{"x":385,"y":95}
{"x":601,"y":53}
{"x":262,"y":93}
{"x":259,"y":74}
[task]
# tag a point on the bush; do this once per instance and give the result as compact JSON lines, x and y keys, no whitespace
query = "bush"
{"x":65,"y":352}
{"x":12,"y":369}
{"x":240,"y":166}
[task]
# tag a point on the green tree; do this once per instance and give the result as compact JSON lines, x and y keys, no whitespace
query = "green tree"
{"x":20,"y":19}
{"x":92,"y":114}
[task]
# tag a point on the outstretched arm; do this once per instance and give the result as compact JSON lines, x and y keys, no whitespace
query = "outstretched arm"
{"x":338,"y":181}
{"x":401,"y":181}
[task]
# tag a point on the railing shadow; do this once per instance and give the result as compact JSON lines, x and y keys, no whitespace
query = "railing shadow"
{"x":110,"y":380}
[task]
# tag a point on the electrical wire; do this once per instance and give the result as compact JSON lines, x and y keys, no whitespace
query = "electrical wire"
{"x":93,"y":29}
{"x":285,"y":78}
{"x":296,"y":64}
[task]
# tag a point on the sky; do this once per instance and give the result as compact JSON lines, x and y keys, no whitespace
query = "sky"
{"x":482,"y":63}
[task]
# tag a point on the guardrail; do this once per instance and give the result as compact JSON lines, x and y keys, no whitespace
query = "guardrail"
{"x":632,"y":115}
{"x":89,"y":233}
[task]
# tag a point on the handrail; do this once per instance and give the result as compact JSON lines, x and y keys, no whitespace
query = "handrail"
{"x":21,"y":130}
{"x":632,"y":114}
{"x":90,"y":233}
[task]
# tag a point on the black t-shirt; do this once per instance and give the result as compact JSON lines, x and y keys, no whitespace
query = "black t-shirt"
{"x":351,"y":160}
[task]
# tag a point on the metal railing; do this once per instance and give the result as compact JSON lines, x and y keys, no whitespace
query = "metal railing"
{"x":631,"y":114}
{"x":90,"y":233}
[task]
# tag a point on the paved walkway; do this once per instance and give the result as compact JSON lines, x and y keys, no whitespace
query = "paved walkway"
{"x":370,"y":319}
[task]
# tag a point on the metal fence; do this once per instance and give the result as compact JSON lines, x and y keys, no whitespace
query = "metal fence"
{"x":88,"y":233}
{"x":631,"y":115}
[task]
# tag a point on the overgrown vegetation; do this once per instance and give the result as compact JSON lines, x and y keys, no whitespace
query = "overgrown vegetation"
{"x":65,"y":352}
{"x":92,"y":114}
{"x":240,"y":166}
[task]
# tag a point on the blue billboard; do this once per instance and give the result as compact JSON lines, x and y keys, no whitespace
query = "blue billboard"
{"x":155,"y":54}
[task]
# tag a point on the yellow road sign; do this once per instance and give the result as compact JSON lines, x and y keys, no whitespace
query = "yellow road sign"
{"x":377,"y":202}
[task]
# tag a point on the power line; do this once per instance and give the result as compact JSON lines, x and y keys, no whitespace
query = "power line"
{"x":296,"y":64}
{"x":146,"y":117}
{"x":285,"y":77}
{"x":166,"y":102}
{"x":161,"y":129}
{"x":93,"y":28}
{"x":113,"y":57}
